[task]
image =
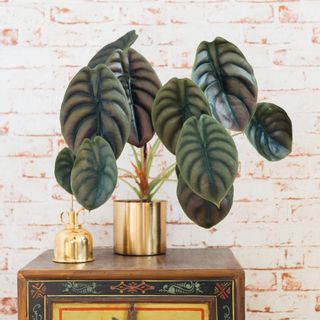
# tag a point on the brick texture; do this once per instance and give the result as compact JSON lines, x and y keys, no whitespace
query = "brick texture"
{"x":273,"y":227}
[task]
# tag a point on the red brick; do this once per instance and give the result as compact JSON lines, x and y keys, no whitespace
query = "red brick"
{"x":316,"y":35}
{"x":305,"y":211}
{"x":240,"y":13}
{"x":3,"y":260}
{"x":287,"y":14}
{"x":143,"y":14}
{"x":91,"y":13}
{"x":282,"y":305}
{"x":269,"y":258}
{"x":9,"y":37}
{"x":296,"y":57}
{"x":261,"y":280}
{"x":8,"y":306}
{"x":9,"y":279}
{"x":272,"y":34}
{"x":317,"y":306}
{"x":187,"y":13}
{"x":301,"y":280}
{"x":289,"y":283}
{"x":312,"y":257}
{"x":306,"y":11}
{"x":37,"y":168}
{"x":22,"y":15}
{"x":49,"y":128}
{"x":26,"y":147}
{"x":295,"y":102}
{"x":288,"y":79}
{"x":311,"y":122}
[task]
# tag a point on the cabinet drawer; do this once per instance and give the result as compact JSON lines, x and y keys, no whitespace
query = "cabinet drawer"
{"x":134,"y":309}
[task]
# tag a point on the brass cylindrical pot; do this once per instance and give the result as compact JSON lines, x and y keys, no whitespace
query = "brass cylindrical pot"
{"x":140,"y":227}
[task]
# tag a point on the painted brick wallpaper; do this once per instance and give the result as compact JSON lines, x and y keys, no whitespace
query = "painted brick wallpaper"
{"x":273,"y":227}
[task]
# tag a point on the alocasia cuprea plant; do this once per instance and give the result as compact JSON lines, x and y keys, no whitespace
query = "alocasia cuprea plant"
{"x":118,"y":98}
{"x":190,"y":118}
{"x":107,"y":104}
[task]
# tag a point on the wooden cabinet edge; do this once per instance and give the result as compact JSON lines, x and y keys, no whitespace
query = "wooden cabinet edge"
{"x":168,"y":274}
{"x":240,"y":295}
{"x":22,"y":294}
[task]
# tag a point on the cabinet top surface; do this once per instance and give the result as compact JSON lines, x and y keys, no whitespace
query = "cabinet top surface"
{"x":175,"y":259}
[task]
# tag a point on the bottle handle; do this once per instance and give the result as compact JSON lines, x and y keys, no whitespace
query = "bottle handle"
{"x":78,"y":212}
{"x":61,"y":217}
{"x":75,"y":213}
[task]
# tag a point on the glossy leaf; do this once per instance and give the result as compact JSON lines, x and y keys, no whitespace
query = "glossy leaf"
{"x":270,"y":132}
{"x":95,"y":104}
{"x":176,"y":101}
{"x":202,"y":212}
{"x":207,"y":158}
{"x":141,"y":85}
{"x":62,"y":169}
{"x":227,"y":79}
{"x":104,"y":54}
{"x":94,"y":174}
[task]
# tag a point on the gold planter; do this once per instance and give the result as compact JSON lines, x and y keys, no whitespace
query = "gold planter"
{"x":140,"y":227}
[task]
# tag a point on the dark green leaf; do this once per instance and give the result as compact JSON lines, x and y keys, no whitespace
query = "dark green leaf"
{"x":103,"y":54}
{"x":141,"y":85}
{"x":95,"y":104}
{"x":207,"y":158}
{"x":176,"y":101}
{"x":202,"y":212}
{"x":270,"y":132}
{"x":227,"y":79}
{"x":94,"y":174}
{"x":62,"y":169}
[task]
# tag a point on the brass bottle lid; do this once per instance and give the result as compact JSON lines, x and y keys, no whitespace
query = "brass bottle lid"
{"x":73,"y":244}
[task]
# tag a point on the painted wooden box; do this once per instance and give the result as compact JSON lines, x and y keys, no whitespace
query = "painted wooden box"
{"x":184,"y":284}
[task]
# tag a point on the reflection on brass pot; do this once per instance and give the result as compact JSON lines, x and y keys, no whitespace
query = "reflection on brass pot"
{"x":73,"y":244}
{"x":140,"y":227}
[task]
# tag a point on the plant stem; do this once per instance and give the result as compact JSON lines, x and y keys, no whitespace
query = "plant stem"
{"x":142,"y":175}
{"x":145,"y":153}
{"x":72,"y":202}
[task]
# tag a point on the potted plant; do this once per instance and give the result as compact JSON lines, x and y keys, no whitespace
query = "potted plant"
{"x":140,"y":224}
{"x":118,"y":98}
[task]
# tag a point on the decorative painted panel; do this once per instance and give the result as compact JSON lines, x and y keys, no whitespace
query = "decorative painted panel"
{"x":40,"y":293}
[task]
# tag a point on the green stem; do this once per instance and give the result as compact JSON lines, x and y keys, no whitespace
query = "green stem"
{"x":72,"y":202}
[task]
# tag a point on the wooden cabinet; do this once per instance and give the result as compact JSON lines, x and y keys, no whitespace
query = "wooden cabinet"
{"x":184,"y":284}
